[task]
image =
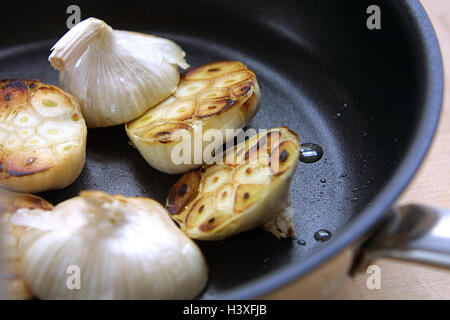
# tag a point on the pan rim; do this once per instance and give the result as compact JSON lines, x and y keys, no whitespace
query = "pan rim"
{"x":413,"y":158}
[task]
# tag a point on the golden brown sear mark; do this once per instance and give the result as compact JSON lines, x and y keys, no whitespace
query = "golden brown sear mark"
{"x":14,"y":93}
{"x":183,"y":191}
{"x":24,"y":163}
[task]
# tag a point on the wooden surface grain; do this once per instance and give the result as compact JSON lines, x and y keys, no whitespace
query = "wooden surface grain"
{"x":401,"y":280}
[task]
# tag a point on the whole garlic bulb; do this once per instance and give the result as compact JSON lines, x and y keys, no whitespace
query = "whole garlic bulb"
{"x":10,"y":202}
{"x":116,"y":75}
{"x":121,"y":248}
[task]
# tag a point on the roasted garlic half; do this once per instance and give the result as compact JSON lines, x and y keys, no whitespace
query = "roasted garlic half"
{"x":108,"y":247}
{"x":250,"y":188}
{"x":219,"y":96}
{"x":42,"y":136}
{"x":10,"y":203}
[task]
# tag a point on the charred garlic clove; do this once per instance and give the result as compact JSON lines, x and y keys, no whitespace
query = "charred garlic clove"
{"x":42,"y":136}
{"x":10,"y":203}
{"x":221,"y":95}
{"x":116,"y":75}
{"x":122,"y":248}
{"x":249,"y":189}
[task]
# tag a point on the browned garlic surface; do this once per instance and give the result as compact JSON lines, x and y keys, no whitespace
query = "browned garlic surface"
{"x":219,"y":95}
{"x":42,"y":136}
{"x":249,"y":189}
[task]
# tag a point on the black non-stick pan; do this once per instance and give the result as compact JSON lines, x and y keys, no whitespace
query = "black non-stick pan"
{"x":369,"y":97}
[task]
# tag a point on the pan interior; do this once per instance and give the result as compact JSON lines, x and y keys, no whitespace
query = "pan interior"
{"x":322,"y":73}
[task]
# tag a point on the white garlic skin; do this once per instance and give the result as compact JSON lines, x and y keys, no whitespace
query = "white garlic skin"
{"x":116,"y":75}
{"x":125,"y":248}
{"x":14,"y":287}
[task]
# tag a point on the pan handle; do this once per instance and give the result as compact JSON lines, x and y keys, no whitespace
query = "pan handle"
{"x":413,"y":232}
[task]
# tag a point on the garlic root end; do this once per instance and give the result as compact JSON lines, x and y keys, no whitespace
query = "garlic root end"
{"x":281,"y":225}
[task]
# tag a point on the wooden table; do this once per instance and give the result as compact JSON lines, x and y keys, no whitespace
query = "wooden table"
{"x":400,"y":280}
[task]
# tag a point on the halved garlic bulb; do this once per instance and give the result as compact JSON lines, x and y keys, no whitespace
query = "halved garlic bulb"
{"x":10,"y":203}
{"x":249,"y":189}
{"x":116,"y":75}
{"x":98,"y":246}
{"x":42,"y":136}
{"x":220,"y":96}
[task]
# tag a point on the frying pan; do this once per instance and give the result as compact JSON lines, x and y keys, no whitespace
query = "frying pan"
{"x":370,"y":98}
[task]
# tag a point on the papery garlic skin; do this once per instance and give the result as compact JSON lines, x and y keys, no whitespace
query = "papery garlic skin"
{"x":125,"y":248}
{"x":42,"y":136}
{"x":116,"y":75}
{"x":249,"y":189}
{"x":10,"y":202}
{"x":220,"y":95}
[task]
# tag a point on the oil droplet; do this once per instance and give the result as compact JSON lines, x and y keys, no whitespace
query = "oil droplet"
{"x":301,"y":242}
{"x":343,"y":175}
{"x":354,"y":199}
{"x":310,"y":152}
{"x":322,"y":235}
{"x":338,"y":116}
{"x":355,"y":189}
{"x":323,"y":180}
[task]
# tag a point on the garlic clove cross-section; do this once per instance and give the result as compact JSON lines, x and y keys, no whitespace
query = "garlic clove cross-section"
{"x":42,"y":136}
{"x":250,"y":188}
{"x":219,"y":96}
{"x":10,"y":203}
{"x":114,"y":247}
{"x":115,"y":75}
